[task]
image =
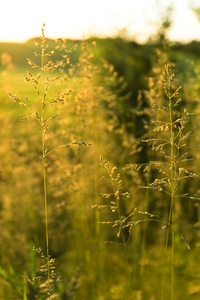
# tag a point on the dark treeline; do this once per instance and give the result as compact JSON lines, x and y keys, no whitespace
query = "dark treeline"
{"x":130,"y":59}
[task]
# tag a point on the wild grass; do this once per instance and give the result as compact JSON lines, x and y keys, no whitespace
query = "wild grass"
{"x":134,"y":243}
{"x":170,"y":126}
{"x":41,"y":84}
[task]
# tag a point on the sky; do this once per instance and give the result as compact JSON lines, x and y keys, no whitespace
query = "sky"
{"x":22,"y":19}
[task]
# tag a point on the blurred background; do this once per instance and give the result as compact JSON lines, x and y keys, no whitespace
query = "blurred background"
{"x":110,"y":57}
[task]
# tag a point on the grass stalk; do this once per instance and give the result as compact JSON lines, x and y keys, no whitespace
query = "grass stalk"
{"x":172,"y":191}
{"x":46,"y":208}
{"x":171,"y":213}
{"x":44,"y":132}
{"x":124,"y":242}
{"x":173,"y":182}
{"x":25,"y":287}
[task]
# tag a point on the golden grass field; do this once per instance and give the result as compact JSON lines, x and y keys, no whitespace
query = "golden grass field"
{"x":99,"y":187}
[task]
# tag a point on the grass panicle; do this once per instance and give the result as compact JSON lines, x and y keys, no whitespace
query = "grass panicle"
{"x":42,"y":83}
{"x":170,"y":143}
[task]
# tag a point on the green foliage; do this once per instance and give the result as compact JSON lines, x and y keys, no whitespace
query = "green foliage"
{"x":82,"y":100}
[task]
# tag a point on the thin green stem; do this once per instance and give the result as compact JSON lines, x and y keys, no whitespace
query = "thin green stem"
{"x":46,"y":207}
{"x":172,"y":270}
{"x":44,"y":129}
{"x":165,"y":256}
{"x":171,"y":215}
{"x":51,"y":151}
{"x":171,"y":210}
{"x":124,"y":242}
{"x":25,"y":287}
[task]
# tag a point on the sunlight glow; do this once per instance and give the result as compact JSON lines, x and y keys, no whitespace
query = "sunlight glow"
{"x":21,"y":20}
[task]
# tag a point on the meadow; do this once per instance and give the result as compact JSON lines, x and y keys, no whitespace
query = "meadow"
{"x":99,"y":170}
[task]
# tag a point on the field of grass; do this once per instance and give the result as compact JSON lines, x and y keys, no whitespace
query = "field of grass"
{"x":99,"y":171}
